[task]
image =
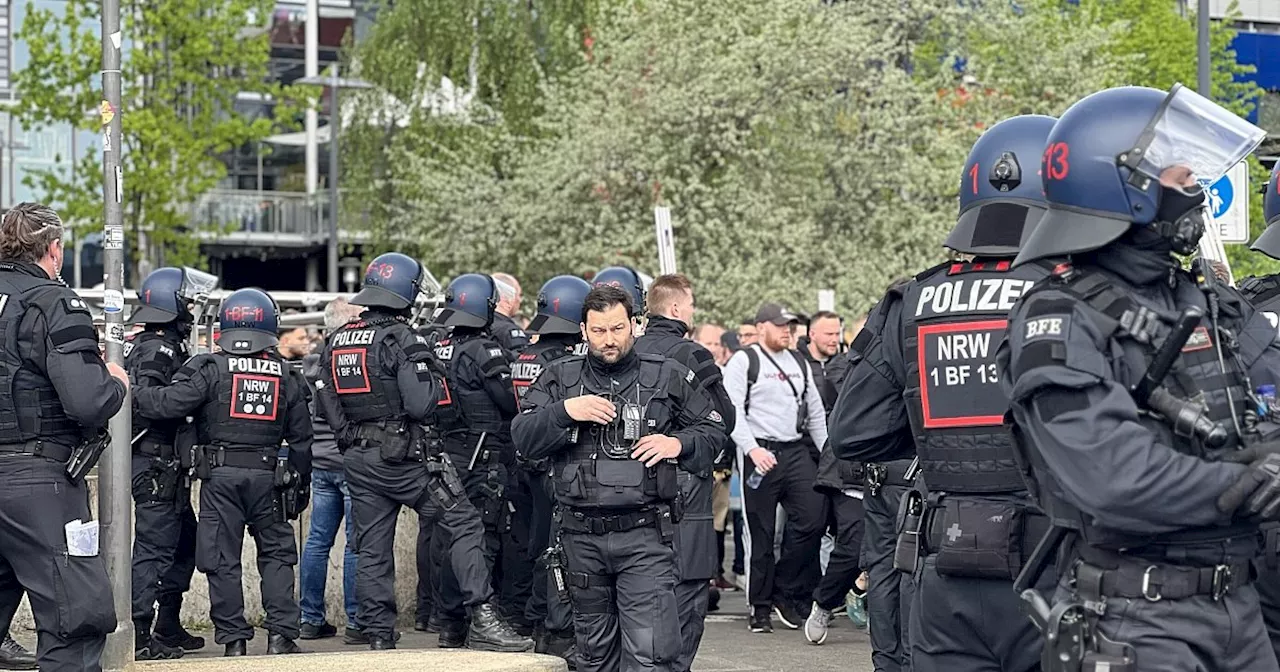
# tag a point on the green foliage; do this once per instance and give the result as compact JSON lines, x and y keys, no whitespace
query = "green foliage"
{"x":184,"y":63}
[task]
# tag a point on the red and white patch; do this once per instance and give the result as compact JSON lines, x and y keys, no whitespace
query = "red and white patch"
{"x":255,"y":397}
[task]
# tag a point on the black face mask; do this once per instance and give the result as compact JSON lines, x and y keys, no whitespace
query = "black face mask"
{"x":1181,"y":218}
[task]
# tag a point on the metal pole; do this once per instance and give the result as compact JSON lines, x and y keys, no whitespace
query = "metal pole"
{"x":1202,"y":35}
{"x":311,"y":68}
{"x":114,"y":469}
{"x":335,"y":123}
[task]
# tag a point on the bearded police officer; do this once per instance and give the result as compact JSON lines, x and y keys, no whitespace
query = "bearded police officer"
{"x":935,"y":350}
{"x":670,"y":307}
{"x":614,"y":422}
{"x":387,"y":384}
{"x":1264,"y":294}
{"x":1129,"y":381}
{"x":58,"y":396}
{"x":164,"y":543}
{"x":557,"y":325}
{"x":253,"y":439}
{"x":475,"y":419}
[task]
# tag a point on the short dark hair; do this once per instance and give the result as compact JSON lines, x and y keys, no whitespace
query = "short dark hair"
{"x":604,"y":297}
{"x":823,"y":315}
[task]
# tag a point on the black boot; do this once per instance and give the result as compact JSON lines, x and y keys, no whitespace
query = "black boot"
{"x":380,"y":644}
{"x":147,"y":648}
{"x":169,"y":630}
{"x":279,"y":644}
{"x":453,"y":634}
{"x":560,"y":643}
{"x":236,"y":648}
{"x":489,"y":633}
{"x":14,"y":657}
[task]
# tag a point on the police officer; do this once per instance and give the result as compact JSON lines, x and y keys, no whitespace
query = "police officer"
{"x":559,"y":335}
{"x":164,"y":544}
{"x":628,"y":280}
{"x":670,"y":307}
{"x":57,"y":393}
{"x":1163,"y":521}
{"x":614,"y":422}
{"x":972,"y":519}
{"x":504,"y":329}
{"x":248,"y":405}
{"x":387,"y":383}
{"x":475,"y":419}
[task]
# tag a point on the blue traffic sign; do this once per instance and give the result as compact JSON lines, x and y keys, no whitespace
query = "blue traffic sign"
{"x":1221,"y":194}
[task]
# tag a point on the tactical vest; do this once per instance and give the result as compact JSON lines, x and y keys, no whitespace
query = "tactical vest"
{"x":1264,"y":294}
{"x":449,"y":408}
{"x":477,"y":412}
{"x":367,"y":392}
{"x":597,"y":471}
{"x":158,"y":431}
{"x":529,"y":364}
{"x":29,"y":405}
{"x":1138,"y":329}
{"x":954,"y":316}
{"x":249,"y":407}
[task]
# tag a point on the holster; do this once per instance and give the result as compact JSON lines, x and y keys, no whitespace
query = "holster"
{"x":1072,"y":642}
{"x":84,"y":457}
{"x":443,"y":481}
{"x":201,"y":465}
{"x":906,"y":552}
{"x":1271,"y":545}
{"x":166,"y":475}
{"x":292,"y":500}
{"x":554,"y":560}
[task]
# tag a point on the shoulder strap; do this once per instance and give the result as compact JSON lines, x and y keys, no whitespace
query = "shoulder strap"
{"x":785,"y":377}
{"x":1260,"y":290}
{"x":1118,"y":313}
{"x":804,"y":368}
{"x":753,"y":372}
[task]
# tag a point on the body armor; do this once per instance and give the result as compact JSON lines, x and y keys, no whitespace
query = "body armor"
{"x":29,"y":404}
{"x":528,"y":366}
{"x":249,"y":406}
{"x":1136,"y":329}
{"x":1264,"y":294}
{"x":597,"y":472}
{"x":165,"y":355}
{"x":954,"y":317}
{"x":476,"y":411}
{"x":366,"y":391}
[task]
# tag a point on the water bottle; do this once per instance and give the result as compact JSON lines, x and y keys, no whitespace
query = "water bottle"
{"x":1267,"y":401}
{"x":753,"y":481}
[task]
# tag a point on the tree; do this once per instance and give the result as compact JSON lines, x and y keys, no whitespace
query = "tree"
{"x":185,"y":62}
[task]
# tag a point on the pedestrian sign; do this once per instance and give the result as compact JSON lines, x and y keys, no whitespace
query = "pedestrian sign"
{"x":1229,"y":201}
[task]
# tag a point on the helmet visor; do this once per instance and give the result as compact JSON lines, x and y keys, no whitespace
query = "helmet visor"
{"x":1196,"y":133}
{"x":196,"y":283}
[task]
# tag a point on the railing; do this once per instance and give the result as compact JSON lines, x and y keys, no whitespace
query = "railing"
{"x":230,"y":211}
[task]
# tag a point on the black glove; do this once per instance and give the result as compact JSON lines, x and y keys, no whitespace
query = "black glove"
{"x":1252,"y":453}
{"x":1256,"y":494}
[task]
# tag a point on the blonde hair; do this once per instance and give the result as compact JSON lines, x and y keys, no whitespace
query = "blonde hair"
{"x":27,"y":230}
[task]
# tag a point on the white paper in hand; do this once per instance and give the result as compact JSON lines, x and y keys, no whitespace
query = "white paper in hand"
{"x":82,"y":539}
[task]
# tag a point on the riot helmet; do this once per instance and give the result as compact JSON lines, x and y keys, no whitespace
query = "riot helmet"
{"x":165,"y":293}
{"x":392,"y":280}
{"x":469,"y":302}
{"x":1131,"y":157}
{"x":248,"y":322}
{"x":1001,"y":198}
{"x":1269,"y":242}
{"x":628,"y":280}
{"x":560,"y":306}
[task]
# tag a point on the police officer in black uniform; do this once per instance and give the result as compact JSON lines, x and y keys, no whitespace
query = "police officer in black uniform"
{"x":670,"y":305}
{"x":387,"y":384}
{"x":475,"y":419}
{"x":1264,"y":294}
{"x":614,"y":422}
{"x":252,"y":439}
{"x":504,"y":329}
{"x":1130,"y":387}
{"x":164,"y":544}
{"x":972,"y":521}
{"x":57,"y":392}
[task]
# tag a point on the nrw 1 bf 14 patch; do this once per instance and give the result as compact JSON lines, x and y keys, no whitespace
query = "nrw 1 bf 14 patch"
{"x":350,"y":373}
{"x":255,"y":397}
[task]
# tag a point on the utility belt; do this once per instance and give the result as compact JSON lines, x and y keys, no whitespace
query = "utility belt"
{"x":664,"y":516}
{"x":205,"y":458}
{"x":39,"y":448}
{"x":79,"y":460}
{"x":985,"y":539}
{"x":896,"y":472}
{"x":397,"y":440}
{"x":1101,"y":574}
{"x":160,"y":449}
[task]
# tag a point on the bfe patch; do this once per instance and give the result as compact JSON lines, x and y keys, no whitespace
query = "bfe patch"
{"x":255,"y":397}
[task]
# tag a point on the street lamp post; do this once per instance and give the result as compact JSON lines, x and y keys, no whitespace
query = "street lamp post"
{"x":335,"y":84}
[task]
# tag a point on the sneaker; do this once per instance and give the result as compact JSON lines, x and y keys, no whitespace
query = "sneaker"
{"x":789,"y":616}
{"x":317,"y":631}
{"x":815,"y":627}
{"x":760,"y":621}
{"x":856,"y":609}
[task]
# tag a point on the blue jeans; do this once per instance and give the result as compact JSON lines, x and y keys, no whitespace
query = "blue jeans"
{"x":330,"y":502}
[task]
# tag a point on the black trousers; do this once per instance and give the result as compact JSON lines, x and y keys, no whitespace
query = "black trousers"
{"x":790,"y":483}
{"x":164,"y":547}
{"x":486,"y":488}
{"x":233,"y":499}
{"x":517,"y":568}
{"x":843,"y":567}
{"x":889,"y":592}
{"x":1268,"y":585}
{"x":428,"y":571}
{"x":70,"y":595}
{"x":378,"y":490}
{"x":625,"y":615}
{"x":544,"y":605}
